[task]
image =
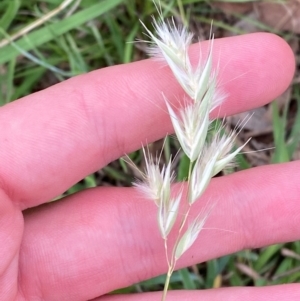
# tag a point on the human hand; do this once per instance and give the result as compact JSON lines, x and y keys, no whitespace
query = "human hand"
{"x":102,"y":239}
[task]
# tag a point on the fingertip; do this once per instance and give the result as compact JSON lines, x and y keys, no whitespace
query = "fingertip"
{"x":281,"y":58}
{"x":260,"y":68}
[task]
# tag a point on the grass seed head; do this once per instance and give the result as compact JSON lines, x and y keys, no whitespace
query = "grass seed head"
{"x":167,"y":214}
{"x":191,"y":234}
{"x":156,"y":182}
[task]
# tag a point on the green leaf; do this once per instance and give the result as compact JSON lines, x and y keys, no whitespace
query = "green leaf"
{"x":54,"y":30}
{"x":9,"y":14}
{"x":187,"y":279}
{"x":294,"y":137}
{"x":281,"y":153}
{"x":265,"y":256}
{"x":183,"y":169}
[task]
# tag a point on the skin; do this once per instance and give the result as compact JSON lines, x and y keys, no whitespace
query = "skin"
{"x":102,"y":239}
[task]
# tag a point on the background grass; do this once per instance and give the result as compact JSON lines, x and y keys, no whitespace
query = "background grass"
{"x":92,"y":34}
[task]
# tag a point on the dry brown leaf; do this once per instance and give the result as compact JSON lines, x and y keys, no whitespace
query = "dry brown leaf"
{"x":258,"y":122}
{"x":247,"y":270}
{"x":229,"y":8}
{"x":281,"y":16}
{"x":289,"y":253}
{"x":296,"y":154}
{"x":245,"y":26}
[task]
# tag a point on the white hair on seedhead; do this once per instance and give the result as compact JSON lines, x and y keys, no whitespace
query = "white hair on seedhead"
{"x":191,"y":122}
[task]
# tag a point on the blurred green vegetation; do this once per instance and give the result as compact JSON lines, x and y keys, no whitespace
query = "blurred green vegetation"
{"x":92,"y":34}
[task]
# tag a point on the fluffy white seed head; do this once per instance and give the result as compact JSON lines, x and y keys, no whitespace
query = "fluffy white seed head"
{"x":167,"y":213}
{"x":191,"y":125}
{"x":170,"y":44}
{"x":202,"y":173}
{"x":156,"y":185}
{"x":156,"y":182}
{"x":215,"y":156}
{"x":192,"y":121}
{"x":226,"y":156}
{"x":170,"y":40}
{"x":191,"y":234}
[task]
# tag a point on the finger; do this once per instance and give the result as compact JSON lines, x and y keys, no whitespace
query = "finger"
{"x":11,"y":230}
{"x":289,"y":292}
{"x":52,"y":139}
{"x":102,"y":239}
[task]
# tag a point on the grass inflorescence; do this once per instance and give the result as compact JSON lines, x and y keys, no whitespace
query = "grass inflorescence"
{"x":93,"y":34}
